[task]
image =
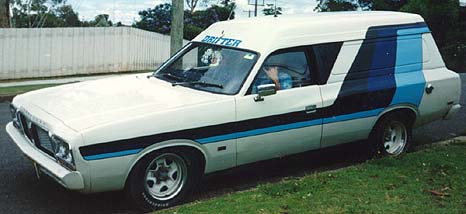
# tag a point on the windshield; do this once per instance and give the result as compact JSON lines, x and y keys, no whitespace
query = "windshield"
{"x":209,"y":68}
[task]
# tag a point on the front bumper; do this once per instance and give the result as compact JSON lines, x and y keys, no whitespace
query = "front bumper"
{"x":69,"y":179}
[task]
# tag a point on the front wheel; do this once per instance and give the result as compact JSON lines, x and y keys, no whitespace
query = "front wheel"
{"x":164,"y":178}
{"x":391,"y":136}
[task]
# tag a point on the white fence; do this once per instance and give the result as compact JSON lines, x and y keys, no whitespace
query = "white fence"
{"x":45,"y":52}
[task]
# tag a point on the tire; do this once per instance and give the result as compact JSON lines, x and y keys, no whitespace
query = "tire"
{"x":391,"y":135}
{"x":164,"y":178}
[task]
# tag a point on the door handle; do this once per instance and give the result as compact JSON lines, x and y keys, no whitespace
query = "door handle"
{"x":429,"y":88}
{"x":311,"y":109}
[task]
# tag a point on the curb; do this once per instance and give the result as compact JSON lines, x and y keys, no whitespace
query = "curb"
{"x":7,"y":98}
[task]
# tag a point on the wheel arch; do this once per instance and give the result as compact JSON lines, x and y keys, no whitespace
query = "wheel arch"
{"x":171,"y":144}
{"x":408,"y":109}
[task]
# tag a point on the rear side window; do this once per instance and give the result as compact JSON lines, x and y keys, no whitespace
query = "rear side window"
{"x":324,"y":58}
{"x":291,"y":70}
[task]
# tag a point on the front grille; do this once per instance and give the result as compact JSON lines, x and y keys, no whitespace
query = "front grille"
{"x":37,"y":135}
{"x":26,"y":124}
{"x":44,"y":141}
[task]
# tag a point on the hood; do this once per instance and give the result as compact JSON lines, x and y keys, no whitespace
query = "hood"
{"x":92,"y":103}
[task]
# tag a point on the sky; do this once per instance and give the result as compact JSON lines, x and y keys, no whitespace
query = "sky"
{"x":126,"y":11}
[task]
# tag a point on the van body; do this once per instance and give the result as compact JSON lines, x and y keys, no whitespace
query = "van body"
{"x":242,"y":91}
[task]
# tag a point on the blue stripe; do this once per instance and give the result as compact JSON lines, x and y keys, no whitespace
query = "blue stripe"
{"x":353,"y":116}
{"x":254,"y":132}
{"x":260,"y":131}
{"x":409,"y":77}
{"x":411,"y":31}
{"x":112,"y":155}
{"x":289,"y":126}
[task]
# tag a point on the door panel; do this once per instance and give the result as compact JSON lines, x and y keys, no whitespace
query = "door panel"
{"x":279,"y":125}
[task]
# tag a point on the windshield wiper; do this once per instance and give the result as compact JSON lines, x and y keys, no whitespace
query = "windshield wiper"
{"x":199,"y":83}
{"x":172,"y":76}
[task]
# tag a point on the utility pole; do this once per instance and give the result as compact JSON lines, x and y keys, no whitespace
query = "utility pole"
{"x":4,"y":13}
{"x":255,"y":9}
{"x":256,"y":5}
{"x":176,"y":33}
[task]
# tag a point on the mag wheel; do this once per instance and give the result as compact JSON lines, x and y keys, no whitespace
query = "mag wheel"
{"x":164,"y":178}
{"x":395,"y":138}
{"x":391,"y":135}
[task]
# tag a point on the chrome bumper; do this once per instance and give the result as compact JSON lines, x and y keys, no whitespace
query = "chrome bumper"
{"x":453,"y":110}
{"x":69,"y":179}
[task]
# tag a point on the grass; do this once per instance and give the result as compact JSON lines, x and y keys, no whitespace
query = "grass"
{"x":432,"y":180}
{"x":76,"y":75}
{"x":22,"y":89}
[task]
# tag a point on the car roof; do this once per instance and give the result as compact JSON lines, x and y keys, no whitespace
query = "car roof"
{"x":265,"y":33}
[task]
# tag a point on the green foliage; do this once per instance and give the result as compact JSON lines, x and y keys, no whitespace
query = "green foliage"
{"x":14,"y":90}
{"x":438,"y":14}
{"x":336,"y":5}
{"x":157,"y":19}
{"x":271,"y":10}
{"x":446,"y":19}
{"x":43,"y":13}
{"x":393,"y":5}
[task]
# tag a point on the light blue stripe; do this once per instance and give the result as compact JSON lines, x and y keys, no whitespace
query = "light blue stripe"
{"x":260,"y":131}
{"x":112,"y":155}
{"x":353,"y":116}
{"x":410,"y":81}
{"x":289,"y":126}
{"x":411,"y":31}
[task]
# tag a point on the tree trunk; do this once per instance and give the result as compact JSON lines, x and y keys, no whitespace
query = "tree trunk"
{"x":4,"y":13}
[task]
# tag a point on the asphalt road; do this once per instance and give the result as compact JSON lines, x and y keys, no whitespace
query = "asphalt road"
{"x":22,"y":192}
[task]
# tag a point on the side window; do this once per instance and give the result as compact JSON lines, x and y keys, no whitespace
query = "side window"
{"x":285,"y":69}
{"x":324,"y":58}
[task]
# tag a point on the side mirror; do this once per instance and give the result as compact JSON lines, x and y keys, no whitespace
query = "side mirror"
{"x":265,"y":90}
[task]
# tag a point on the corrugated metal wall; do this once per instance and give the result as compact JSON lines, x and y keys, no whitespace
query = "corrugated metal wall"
{"x":45,"y":52}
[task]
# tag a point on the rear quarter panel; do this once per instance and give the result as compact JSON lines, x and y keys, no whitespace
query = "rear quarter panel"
{"x":446,"y":83}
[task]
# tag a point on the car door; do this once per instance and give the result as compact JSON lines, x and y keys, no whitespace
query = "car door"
{"x":286,"y":122}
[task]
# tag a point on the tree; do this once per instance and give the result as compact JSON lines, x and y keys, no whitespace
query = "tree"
{"x":4,"y":13}
{"x":102,"y":20}
{"x":350,"y":5}
{"x":271,"y":10}
{"x":68,"y":16}
{"x":446,"y":21}
{"x":43,"y":13}
{"x":392,"y":5}
{"x":158,"y":19}
{"x":192,"y":4}
{"x":336,"y":5}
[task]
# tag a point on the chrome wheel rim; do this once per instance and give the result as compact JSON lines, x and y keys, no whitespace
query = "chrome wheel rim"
{"x":166,"y":176}
{"x":395,"y":138}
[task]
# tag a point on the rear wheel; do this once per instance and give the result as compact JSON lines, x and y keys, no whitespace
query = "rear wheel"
{"x":164,"y":178}
{"x":391,"y":135}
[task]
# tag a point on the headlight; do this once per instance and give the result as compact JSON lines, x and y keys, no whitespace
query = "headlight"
{"x":14,"y":116}
{"x":63,"y":153}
